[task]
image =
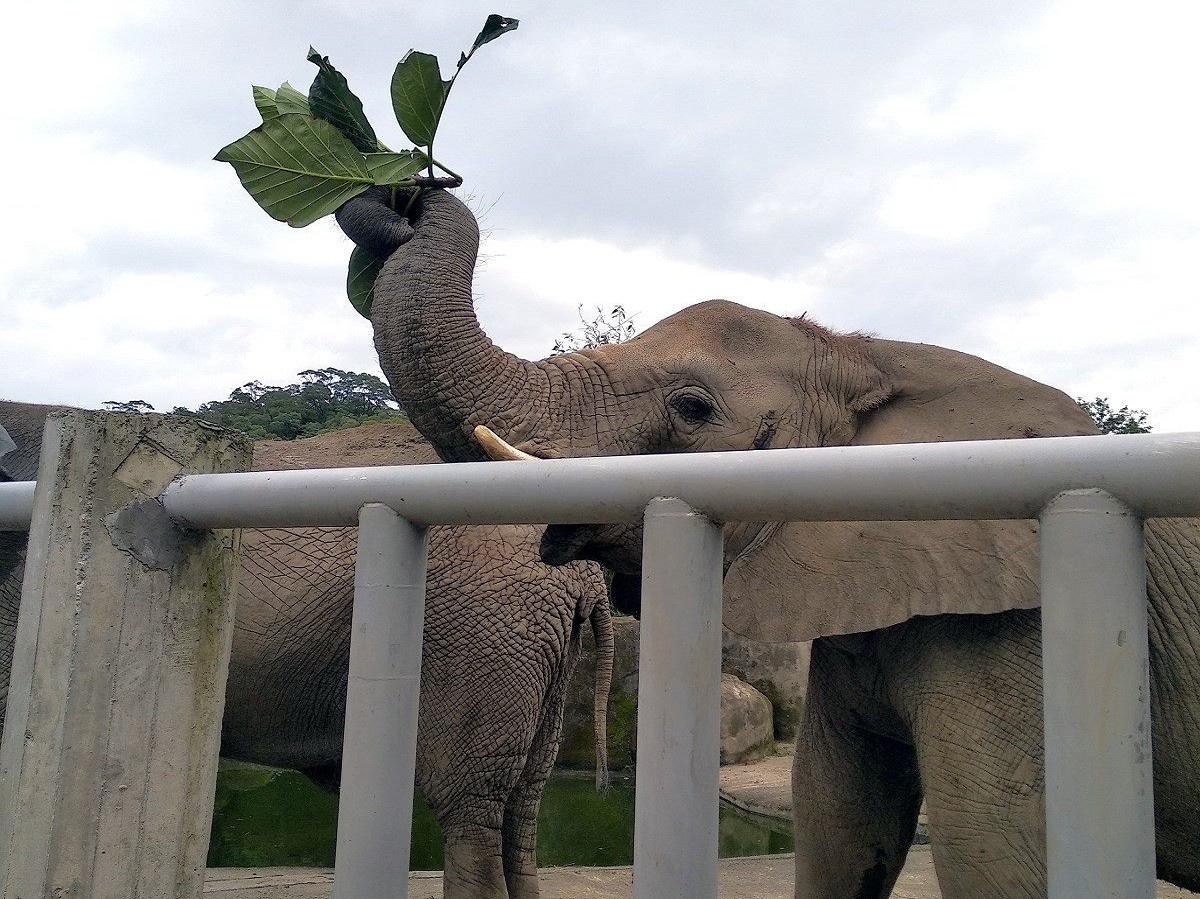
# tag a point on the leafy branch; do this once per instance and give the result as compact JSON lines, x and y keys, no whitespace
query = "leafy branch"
{"x":314,"y":152}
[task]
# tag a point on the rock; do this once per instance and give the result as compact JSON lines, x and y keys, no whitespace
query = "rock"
{"x":777,"y":670}
{"x":747,"y":732}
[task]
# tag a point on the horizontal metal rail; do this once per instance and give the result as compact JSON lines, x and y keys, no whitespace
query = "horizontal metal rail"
{"x":16,"y":505}
{"x":1157,"y":475}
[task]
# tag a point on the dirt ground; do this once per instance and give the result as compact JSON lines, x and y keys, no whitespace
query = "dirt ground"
{"x":758,"y":877}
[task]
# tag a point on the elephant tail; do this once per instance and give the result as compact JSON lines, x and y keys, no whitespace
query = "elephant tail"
{"x":602,"y":631}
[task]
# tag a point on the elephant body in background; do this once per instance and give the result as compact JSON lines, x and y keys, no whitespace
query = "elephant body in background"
{"x":925,"y":675}
{"x":502,"y":634}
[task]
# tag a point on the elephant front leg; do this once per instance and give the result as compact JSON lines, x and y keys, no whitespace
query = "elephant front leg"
{"x":973,"y":691}
{"x":855,"y":797}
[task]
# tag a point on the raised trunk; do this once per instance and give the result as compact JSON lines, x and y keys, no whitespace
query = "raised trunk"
{"x":443,"y":369}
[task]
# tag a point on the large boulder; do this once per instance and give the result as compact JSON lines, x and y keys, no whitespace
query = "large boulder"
{"x":778,"y":672}
{"x":746,"y":730}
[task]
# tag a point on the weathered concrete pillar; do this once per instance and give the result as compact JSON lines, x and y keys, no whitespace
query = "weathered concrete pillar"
{"x":109,"y":756}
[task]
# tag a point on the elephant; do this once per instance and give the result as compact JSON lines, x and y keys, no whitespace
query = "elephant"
{"x":502,"y":634}
{"x":925,"y":672}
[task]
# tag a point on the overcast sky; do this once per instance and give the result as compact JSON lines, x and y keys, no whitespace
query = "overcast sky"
{"x":1017,"y":179}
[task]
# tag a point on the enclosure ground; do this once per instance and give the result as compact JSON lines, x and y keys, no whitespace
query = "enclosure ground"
{"x":757,"y":877}
{"x":763,"y":787}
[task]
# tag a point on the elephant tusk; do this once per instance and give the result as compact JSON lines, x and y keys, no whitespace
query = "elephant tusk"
{"x":498,"y":449}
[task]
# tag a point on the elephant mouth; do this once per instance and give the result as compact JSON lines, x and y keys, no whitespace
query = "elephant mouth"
{"x":617,"y":547}
{"x":563,"y":543}
{"x":626,"y":594}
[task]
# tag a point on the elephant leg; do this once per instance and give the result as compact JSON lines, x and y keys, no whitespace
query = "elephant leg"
{"x":521,"y":810}
{"x":972,"y":688}
{"x":856,"y":794}
{"x":520,"y":820}
{"x":474,"y":867}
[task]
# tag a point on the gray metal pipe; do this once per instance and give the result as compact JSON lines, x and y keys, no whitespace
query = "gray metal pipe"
{"x":16,"y":505}
{"x":679,"y":706}
{"x":379,"y":748}
{"x":1159,"y":475}
{"x":1095,"y":670}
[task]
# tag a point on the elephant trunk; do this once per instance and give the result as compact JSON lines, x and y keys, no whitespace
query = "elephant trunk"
{"x":444,"y":371}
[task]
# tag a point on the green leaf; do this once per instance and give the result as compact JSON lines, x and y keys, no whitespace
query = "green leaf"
{"x":331,"y":99}
{"x":418,"y":95}
{"x":395,"y":168}
{"x":290,"y":101}
{"x":360,"y":280}
{"x":297,"y":168}
{"x":492,"y":29}
{"x":264,"y":100}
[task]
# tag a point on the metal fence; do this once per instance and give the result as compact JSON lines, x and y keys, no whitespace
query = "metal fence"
{"x":1090,"y":494}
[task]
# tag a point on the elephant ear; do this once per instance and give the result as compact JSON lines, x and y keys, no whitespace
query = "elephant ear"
{"x":801,"y":580}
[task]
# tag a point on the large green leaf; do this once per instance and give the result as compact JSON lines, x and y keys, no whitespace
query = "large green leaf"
{"x":360,"y":280}
{"x":493,"y":28}
{"x":418,"y":95}
{"x":331,"y":99}
{"x":264,"y":100}
{"x":298,"y":168}
{"x":395,"y":168}
{"x":290,"y":101}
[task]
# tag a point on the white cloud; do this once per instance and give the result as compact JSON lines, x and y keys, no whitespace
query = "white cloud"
{"x":530,"y":287}
{"x":172,"y":340}
{"x":1126,"y":327}
{"x":942,"y":205}
{"x":1096,"y":95}
{"x":65,"y":48}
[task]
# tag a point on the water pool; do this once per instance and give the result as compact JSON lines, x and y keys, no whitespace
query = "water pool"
{"x":267,"y":816}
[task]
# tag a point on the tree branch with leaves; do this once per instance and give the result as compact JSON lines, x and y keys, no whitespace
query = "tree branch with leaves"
{"x":314,"y":152}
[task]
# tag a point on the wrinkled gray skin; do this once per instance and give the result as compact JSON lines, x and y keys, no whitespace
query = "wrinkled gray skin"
{"x":926,"y":670}
{"x":502,"y":634}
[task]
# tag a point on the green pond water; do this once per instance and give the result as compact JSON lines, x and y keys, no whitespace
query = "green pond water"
{"x":265,"y":816}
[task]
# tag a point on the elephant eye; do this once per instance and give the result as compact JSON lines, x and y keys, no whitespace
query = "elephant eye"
{"x":692,"y":408}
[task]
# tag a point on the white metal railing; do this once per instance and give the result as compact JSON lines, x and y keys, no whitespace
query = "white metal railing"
{"x":1090,"y":494}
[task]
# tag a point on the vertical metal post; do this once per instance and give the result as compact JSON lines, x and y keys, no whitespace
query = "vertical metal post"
{"x":379,"y":748}
{"x":1099,"y":783}
{"x":679,"y":706}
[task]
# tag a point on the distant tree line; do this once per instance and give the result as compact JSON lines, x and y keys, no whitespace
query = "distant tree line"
{"x":323,"y":399}
{"x":1115,"y":421}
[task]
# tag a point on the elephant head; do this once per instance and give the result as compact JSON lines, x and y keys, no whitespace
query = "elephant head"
{"x":716,"y":376}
